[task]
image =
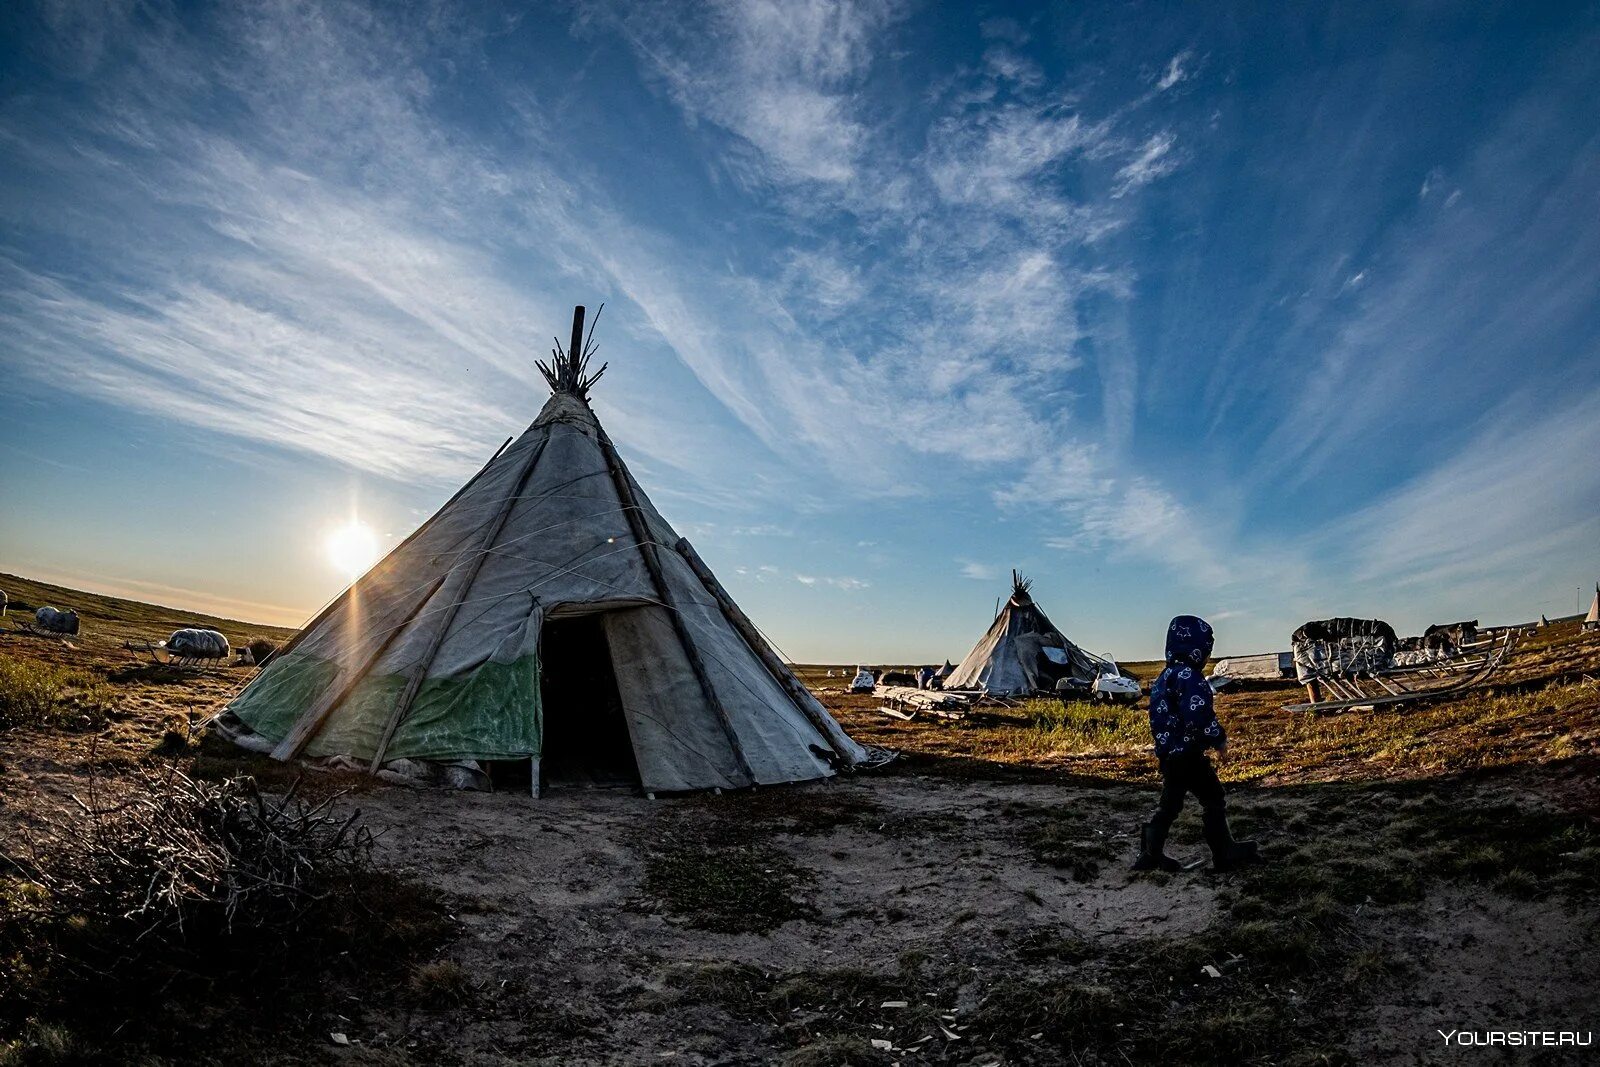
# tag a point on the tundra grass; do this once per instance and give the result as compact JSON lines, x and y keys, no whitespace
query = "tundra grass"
{"x":39,"y":694}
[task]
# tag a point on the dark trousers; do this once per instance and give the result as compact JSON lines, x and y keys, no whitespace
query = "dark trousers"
{"x":1185,"y":773}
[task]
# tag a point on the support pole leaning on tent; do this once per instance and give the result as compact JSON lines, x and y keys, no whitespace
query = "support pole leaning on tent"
{"x":652,"y":562}
{"x":802,"y":697}
{"x":442,"y":626}
{"x":307,"y":726}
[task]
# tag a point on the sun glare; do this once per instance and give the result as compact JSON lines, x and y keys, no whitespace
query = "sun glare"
{"x":352,"y":548}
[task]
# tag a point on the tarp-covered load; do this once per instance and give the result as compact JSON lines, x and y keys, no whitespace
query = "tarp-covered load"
{"x":1439,"y":642}
{"x":55,"y":620}
{"x":1269,"y":666}
{"x":1343,"y":648}
{"x":1450,"y":635}
{"x":195,"y":643}
{"x":546,"y":612}
{"x":1022,"y":652}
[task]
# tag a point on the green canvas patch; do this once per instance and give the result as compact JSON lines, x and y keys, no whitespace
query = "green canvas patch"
{"x":491,"y":712}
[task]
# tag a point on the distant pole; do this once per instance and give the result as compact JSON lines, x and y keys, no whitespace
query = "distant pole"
{"x":575,"y":349}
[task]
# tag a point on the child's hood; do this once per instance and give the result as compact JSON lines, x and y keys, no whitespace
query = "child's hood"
{"x":1189,"y":640}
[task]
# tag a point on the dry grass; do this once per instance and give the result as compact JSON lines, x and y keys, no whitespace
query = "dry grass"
{"x":1541,"y":710}
{"x":33,"y":693}
{"x":166,"y":903}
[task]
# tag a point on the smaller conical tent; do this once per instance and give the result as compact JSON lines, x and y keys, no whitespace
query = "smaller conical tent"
{"x":1591,"y":621}
{"x":549,"y":613}
{"x":1022,"y":653}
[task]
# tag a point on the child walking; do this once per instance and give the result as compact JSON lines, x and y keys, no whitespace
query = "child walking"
{"x":1184,"y":726}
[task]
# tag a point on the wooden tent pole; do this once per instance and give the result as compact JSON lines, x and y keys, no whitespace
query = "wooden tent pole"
{"x":307,"y":726}
{"x":802,"y":697}
{"x":575,"y":346}
{"x":652,"y":562}
{"x":442,"y":626}
{"x":299,"y":634}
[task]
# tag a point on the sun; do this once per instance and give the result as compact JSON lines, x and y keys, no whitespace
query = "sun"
{"x":352,"y":547}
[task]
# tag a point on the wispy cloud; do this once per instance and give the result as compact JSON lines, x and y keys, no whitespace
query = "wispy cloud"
{"x":842,"y":582}
{"x":1493,"y":508}
{"x":1155,"y":160}
{"x":1177,"y":70}
{"x":781,"y":75}
{"x":975,"y":239}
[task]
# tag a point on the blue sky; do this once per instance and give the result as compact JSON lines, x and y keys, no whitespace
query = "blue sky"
{"x":1261,"y":313}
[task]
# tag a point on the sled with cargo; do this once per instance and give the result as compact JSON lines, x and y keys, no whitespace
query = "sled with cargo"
{"x":1360,"y":663}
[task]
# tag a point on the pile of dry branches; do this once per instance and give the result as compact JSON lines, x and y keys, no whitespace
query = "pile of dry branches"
{"x":155,"y":893}
{"x":177,"y":857}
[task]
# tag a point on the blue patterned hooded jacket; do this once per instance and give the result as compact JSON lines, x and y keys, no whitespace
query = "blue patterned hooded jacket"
{"x":1183,"y":717}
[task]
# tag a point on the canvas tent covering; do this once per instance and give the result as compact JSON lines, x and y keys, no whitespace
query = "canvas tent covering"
{"x":1591,"y":621}
{"x":545,"y":611}
{"x":1022,"y":652}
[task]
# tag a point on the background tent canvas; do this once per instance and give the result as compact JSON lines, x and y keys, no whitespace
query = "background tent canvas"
{"x":1022,"y":652}
{"x":1591,"y":621}
{"x":441,"y":655}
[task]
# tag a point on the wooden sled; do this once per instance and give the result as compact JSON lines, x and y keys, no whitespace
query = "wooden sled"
{"x":159,"y":653}
{"x":1471,"y":667}
{"x":36,"y":631}
{"x":902,"y":702}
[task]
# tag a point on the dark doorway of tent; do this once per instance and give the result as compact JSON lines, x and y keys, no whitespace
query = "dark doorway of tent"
{"x":586,"y":740}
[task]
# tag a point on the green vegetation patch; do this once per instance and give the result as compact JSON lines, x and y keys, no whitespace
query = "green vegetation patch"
{"x":1076,"y":840}
{"x":1081,"y":726}
{"x":731,"y":887}
{"x":38,"y":694}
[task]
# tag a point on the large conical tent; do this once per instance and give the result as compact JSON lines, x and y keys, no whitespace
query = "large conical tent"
{"x":1022,"y":653}
{"x":545,"y":612}
{"x":1591,"y":621}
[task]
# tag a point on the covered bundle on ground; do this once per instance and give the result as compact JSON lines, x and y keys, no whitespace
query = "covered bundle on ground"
{"x":195,"y":643}
{"x":1345,"y":648}
{"x":1268,"y":666}
{"x":55,"y":620}
{"x":1438,"y":642}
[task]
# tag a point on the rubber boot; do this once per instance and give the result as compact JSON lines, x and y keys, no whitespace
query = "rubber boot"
{"x":1226,"y":853}
{"x":1152,"y":839}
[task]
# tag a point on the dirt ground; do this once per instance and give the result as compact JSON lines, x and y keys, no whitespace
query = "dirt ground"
{"x":971,"y":903}
{"x":552,"y":900}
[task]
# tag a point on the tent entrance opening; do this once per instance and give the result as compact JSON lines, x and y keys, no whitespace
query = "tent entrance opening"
{"x":586,"y":739}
